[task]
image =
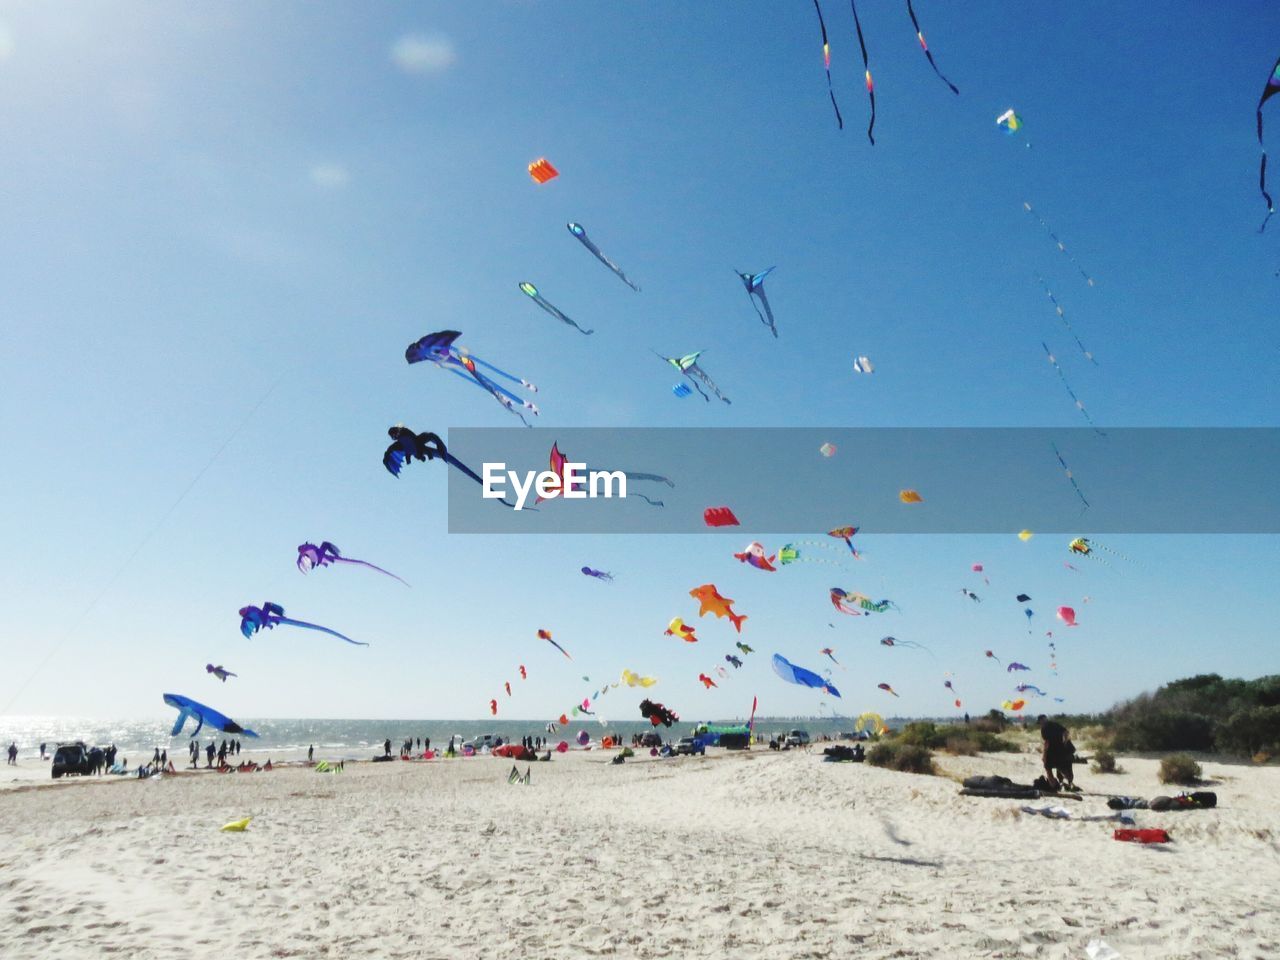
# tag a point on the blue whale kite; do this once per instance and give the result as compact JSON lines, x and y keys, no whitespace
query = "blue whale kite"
{"x":187,"y":707}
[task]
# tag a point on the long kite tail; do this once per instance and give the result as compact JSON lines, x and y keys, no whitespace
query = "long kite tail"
{"x":1273,"y":84}
{"x":503,"y":373}
{"x":1063,"y":377}
{"x":288,"y":621}
{"x":1061,"y":246}
{"x":559,"y":314}
{"x":560,"y":648}
{"x":768,"y":312}
{"x":702,"y":375}
{"x":453,"y":461}
{"x":366,"y":563}
{"x":925,"y":47}
{"x":1065,"y":322}
{"x":1071,"y":477}
{"x":866,"y":68}
{"x":599,"y":255}
{"x":826,"y":62}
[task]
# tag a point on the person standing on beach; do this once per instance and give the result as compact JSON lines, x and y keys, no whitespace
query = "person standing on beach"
{"x":386,"y":746}
{"x":13,"y":754}
{"x":311,"y":751}
{"x":42,"y":746}
{"x":1053,"y":736}
{"x":208,"y":752}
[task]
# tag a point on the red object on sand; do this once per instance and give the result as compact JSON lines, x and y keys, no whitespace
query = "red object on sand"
{"x":541,"y":170}
{"x":719,"y":517}
{"x":1143,"y":836}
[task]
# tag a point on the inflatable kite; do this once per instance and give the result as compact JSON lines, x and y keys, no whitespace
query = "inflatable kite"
{"x":844,"y":601}
{"x":657,"y":714}
{"x":886,"y":688}
{"x":846,"y":534}
{"x":895,"y":642}
{"x":1014,"y":705}
{"x":871,"y":721}
{"x":910,"y":496}
{"x":719,"y":517}
{"x":754,"y":555}
{"x":580,"y":232}
{"x":678,"y":628}
{"x":187,"y":707}
{"x":707,"y":682}
{"x":310,"y":556}
{"x":546,"y":635}
{"x":754,"y":282}
{"x":271,"y":615}
{"x":1068,"y":616}
{"x":744,"y":648}
{"x":219,"y":672}
{"x":541,"y":170}
{"x":530,"y":291}
{"x":1028,"y":688}
{"x":598,"y":574}
{"x":688,"y":365}
{"x":635,"y":680}
{"x":439,"y":349}
{"x":407,"y":446}
{"x":710,"y":601}
{"x":799,"y":675}
{"x":1016,"y":666}
{"x":736,"y":661}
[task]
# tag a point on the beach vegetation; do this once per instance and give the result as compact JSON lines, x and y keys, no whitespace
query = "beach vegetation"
{"x":1104,"y":761}
{"x":894,"y":754}
{"x":1204,"y":713}
{"x":1180,"y":768}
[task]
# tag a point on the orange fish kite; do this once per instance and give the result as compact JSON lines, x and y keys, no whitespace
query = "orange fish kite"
{"x":910,"y":496}
{"x":712,"y":602}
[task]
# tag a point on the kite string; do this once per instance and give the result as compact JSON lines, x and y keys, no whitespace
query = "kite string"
{"x":155,"y":528}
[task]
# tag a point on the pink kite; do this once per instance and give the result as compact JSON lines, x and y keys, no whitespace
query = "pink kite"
{"x":1068,"y":616}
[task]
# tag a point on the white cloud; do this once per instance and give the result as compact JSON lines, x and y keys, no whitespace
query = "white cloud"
{"x":415,"y":53}
{"x":6,"y":43}
{"x":329,"y":176}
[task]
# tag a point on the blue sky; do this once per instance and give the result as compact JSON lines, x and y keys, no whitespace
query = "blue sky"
{"x":202,"y":203}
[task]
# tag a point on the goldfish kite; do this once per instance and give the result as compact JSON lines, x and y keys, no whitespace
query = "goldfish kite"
{"x":863,"y":365}
{"x":635,"y":680}
{"x":754,"y":555}
{"x":754,"y":282}
{"x":656,"y":713}
{"x":546,"y":635}
{"x":1014,"y":666}
{"x":730,"y":658}
{"x":541,"y":170}
{"x":826,"y":62}
{"x":688,"y":365}
{"x":827,"y":449}
{"x":580,"y":232}
{"x":439,"y":349}
{"x":530,"y":291}
{"x":407,"y":446}
{"x":219,"y":672}
{"x":830,"y":654}
{"x":719,"y":517}
{"x":1272,"y":87}
{"x":925,"y":47}
{"x":744,"y":648}
{"x":598,"y":574}
{"x":678,"y":628}
{"x":1053,"y":361}
{"x":707,"y":682}
{"x":710,"y":601}
{"x":886,"y":688}
{"x":1068,"y":616}
{"x":1061,"y":246}
{"x":270,"y":615}
{"x":311,"y":556}
{"x":910,"y":496}
{"x":187,"y":707}
{"x":799,"y":675}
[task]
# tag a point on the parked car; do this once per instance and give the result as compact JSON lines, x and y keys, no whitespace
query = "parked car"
{"x":486,"y":742}
{"x":71,"y":758}
{"x":687,"y":746}
{"x":651,"y":739}
{"x":797,"y":738}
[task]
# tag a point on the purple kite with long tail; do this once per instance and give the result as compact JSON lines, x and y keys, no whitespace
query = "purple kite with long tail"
{"x":439,"y":348}
{"x":310,"y":556}
{"x":269,"y":615}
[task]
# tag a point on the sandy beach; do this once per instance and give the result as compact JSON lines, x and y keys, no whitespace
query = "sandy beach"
{"x":749,"y":855}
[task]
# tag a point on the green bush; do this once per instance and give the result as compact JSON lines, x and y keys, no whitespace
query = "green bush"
{"x":1104,"y":761}
{"x":1156,"y":729}
{"x":1251,"y":731}
{"x":903,"y":757}
{"x":1179,"y":768}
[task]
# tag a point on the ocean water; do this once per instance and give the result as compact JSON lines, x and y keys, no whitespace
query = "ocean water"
{"x":288,"y":739}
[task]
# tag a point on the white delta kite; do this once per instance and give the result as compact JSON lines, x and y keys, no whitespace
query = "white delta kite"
{"x":575,"y":483}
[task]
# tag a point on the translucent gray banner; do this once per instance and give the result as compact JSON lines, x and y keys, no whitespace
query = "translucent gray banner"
{"x":969,"y":480}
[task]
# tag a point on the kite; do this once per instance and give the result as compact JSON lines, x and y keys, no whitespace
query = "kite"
{"x":1068,"y":616}
{"x":1026,"y":687}
{"x":1070,"y":476}
{"x":710,"y":601}
{"x":977,"y":568}
{"x":1071,"y":393}
{"x":1014,"y":705}
{"x":1086,"y":547}
{"x":886,"y":688}
{"x":236,"y":826}
{"x":730,"y":658}
{"x":947,"y":684}
{"x":1015,"y":665}
{"x":863,"y":365}
{"x":493,"y":707}
{"x":530,"y":291}
{"x":598,"y":574}
{"x":187,"y":707}
{"x":524,"y":674}
{"x":872,"y":721}
{"x":407,"y":446}
{"x":744,"y":648}
{"x":754,"y":555}
{"x":830,"y":654}
{"x":827,"y":449}
{"x":559,"y":465}
{"x":1022,"y":598}
{"x":583,"y":738}
{"x":1272,"y":87}
{"x":799,"y":675}
{"x":1061,"y":246}
{"x":992,"y":656}
{"x":635,"y":680}
{"x":866,"y":68}
{"x":707,"y":682}
{"x":719,"y":517}
{"x":925,"y":47}
{"x":310,"y":556}
{"x":507,"y":684}
{"x":541,"y":170}
{"x":971,"y":595}
{"x":546,"y":635}
{"x":754,"y":282}
{"x":270,"y":615}
{"x":439,"y":348}
{"x":1066,"y":323}
{"x":681,"y":390}
{"x":910,"y":496}
{"x":842,"y":599}
{"x":1012,"y":123}
{"x":688,"y":365}
{"x":656,"y":713}
{"x":895,"y":642}
{"x":826,"y":62}
{"x":678,"y":628}
{"x":1025,"y":535}
{"x":789,"y":554}
{"x":1028,"y":613}
{"x":846,"y":534}
{"x":219,"y":672}
{"x":580,"y":232}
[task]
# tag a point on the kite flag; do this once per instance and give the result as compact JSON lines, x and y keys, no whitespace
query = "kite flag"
{"x":910,"y":496}
{"x":799,"y":675}
{"x":719,"y":517}
{"x":635,"y":680}
{"x":187,"y":707}
{"x":1068,"y":616}
{"x":310,"y":556}
{"x":271,"y":615}
{"x":1014,"y":705}
{"x":541,"y":170}
{"x":580,"y":232}
{"x":863,"y":365}
{"x":827,"y":449}
{"x":1270,"y":90}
